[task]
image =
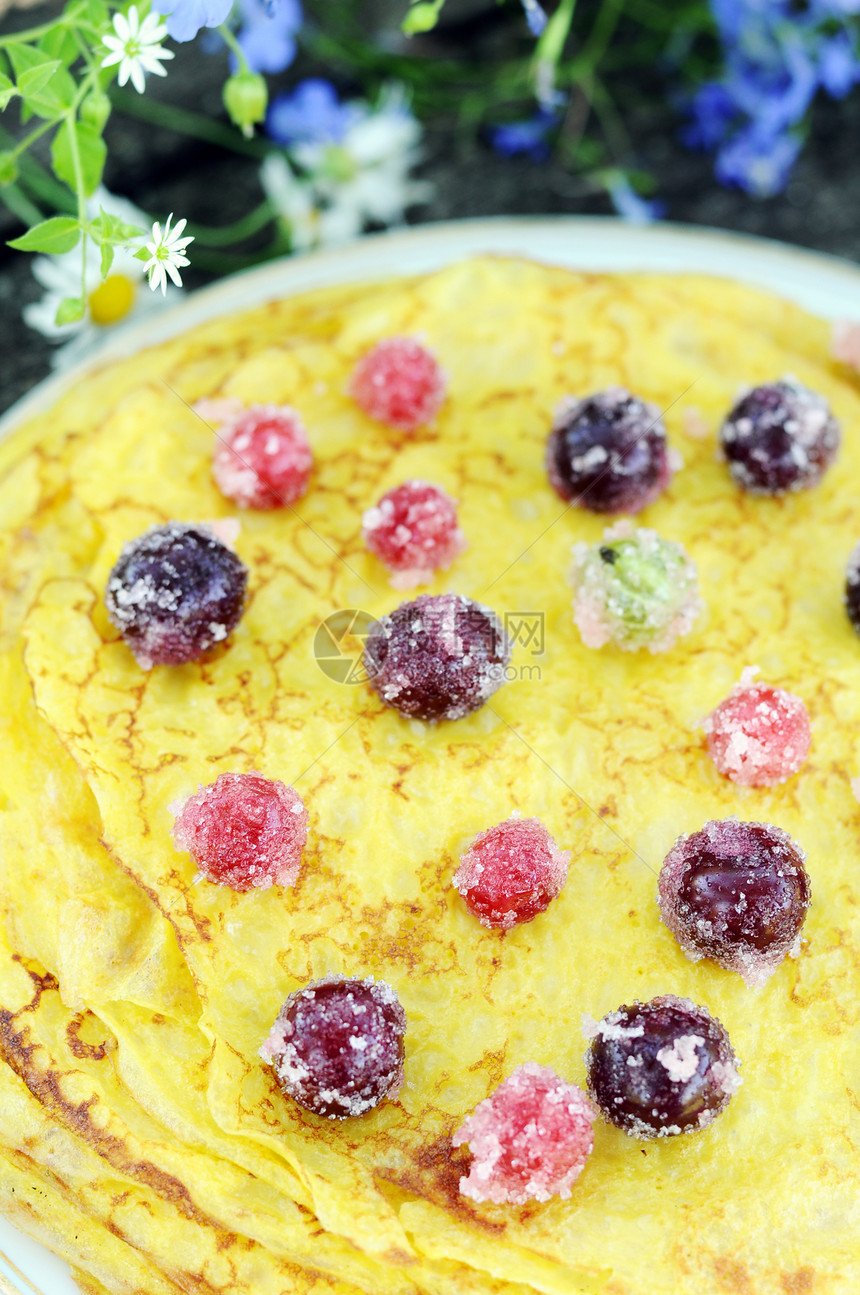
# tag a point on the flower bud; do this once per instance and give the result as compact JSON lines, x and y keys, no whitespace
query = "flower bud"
{"x":95,"y":109}
{"x":246,"y":98}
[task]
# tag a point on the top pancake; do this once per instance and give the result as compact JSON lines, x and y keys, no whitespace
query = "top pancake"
{"x":179,"y":983}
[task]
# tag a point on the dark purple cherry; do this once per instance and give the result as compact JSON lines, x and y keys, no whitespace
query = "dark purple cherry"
{"x":174,"y":592}
{"x":779,"y":437}
{"x":608,"y":452}
{"x":660,"y":1068}
{"x":439,"y":657}
{"x":337,"y":1045}
{"x":852,"y":588}
{"x":737,"y":893}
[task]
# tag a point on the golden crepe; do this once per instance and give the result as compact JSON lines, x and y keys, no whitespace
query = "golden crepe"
{"x":142,"y":1136}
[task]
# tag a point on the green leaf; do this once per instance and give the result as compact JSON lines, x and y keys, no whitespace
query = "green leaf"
{"x":96,"y":12}
{"x":141,"y":254}
{"x":422,"y":17}
{"x":69,"y":311}
{"x":114,"y":230}
{"x":91,"y":152}
{"x":107,"y":259}
{"x":60,"y":43}
{"x":7,"y":91}
{"x":23,"y":57}
{"x":34,"y":78}
{"x":59,"y":234}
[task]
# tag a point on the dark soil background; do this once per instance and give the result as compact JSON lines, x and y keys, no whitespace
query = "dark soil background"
{"x":163,"y":171}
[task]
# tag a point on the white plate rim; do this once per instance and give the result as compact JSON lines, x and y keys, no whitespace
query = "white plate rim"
{"x":825,"y":285}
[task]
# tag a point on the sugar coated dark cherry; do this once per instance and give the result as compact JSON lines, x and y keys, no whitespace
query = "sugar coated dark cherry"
{"x":529,"y":1139}
{"x":337,"y":1045}
{"x":737,"y":893}
{"x":661,"y":1068}
{"x":779,"y":437}
{"x":511,"y":872}
{"x":439,"y":657}
{"x":243,"y":831}
{"x":608,"y":452}
{"x":175,"y":592}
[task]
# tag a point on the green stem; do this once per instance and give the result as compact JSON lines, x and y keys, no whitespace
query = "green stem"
{"x":224,"y":235}
{"x":35,"y":33}
{"x":551,"y":44}
{"x":232,"y":44}
{"x":81,"y":193}
{"x":186,"y":123}
{"x":25,"y":143}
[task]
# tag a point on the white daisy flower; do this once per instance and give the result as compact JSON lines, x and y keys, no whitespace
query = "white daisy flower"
{"x":295,"y":202}
{"x":109,"y":303}
{"x":166,"y":254}
{"x":136,"y":47}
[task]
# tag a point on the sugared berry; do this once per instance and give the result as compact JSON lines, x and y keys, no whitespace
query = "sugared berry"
{"x":337,"y":1045}
{"x":608,"y":452}
{"x":736,"y":893}
{"x":399,"y":383}
{"x":511,"y":872}
{"x":634,"y":589}
{"x":529,"y":1139}
{"x":414,"y":530}
{"x":759,"y":735}
{"x":262,"y":456}
{"x":779,"y":437}
{"x":660,"y":1068}
{"x":439,"y":657}
{"x":852,"y":588}
{"x":243,"y":830}
{"x":174,"y":592}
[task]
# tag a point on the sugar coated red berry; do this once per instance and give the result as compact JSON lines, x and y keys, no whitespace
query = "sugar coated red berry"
{"x":529,"y":1140}
{"x":736,"y":893}
{"x":262,"y":456}
{"x":337,"y":1046}
{"x":660,"y":1068}
{"x":759,"y":735}
{"x":608,"y":452}
{"x":511,"y":872}
{"x":439,"y":657}
{"x":399,"y":383}
{"x":175,"y":592}
{"x":852,"y":588}
{"x":244,"y":831}
{"x":414,"y":530}
{"x":779,"y":437}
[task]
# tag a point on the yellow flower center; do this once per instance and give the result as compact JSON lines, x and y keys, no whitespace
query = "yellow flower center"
{"x":112,"y":300}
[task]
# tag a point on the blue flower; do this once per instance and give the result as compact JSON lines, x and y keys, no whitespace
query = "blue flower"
{"x":186,"y":17}
{"x":757,"y":163}
{"x":267,"y":34}
{"x":535,"y":17}
{"x":838,"y":65}
{"x":712,"y":110}
{"x":529,"y":136}
{"x":312,"y":114}
{"x":629,"y":205}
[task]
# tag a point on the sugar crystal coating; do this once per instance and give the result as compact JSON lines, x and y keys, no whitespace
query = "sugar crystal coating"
{"x":243,"y":831}
{"x":736,"y":893}
{"x":439,"y":657}
{"x":759,"y":735}
{"x":399,"y":383}
{"x":262,"y":456}
{"x":779,"y":437}
{"x":660,"y":1068}
{"x":852,"y":588}
{"x":511,"y":872}
{"x":608,"y":452}
{"x":174,"y":592}
{"x":414,"y":530}
{"x":529,"y":1139}
{"x":337,"y":1045}
{"x":634,"y":589}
